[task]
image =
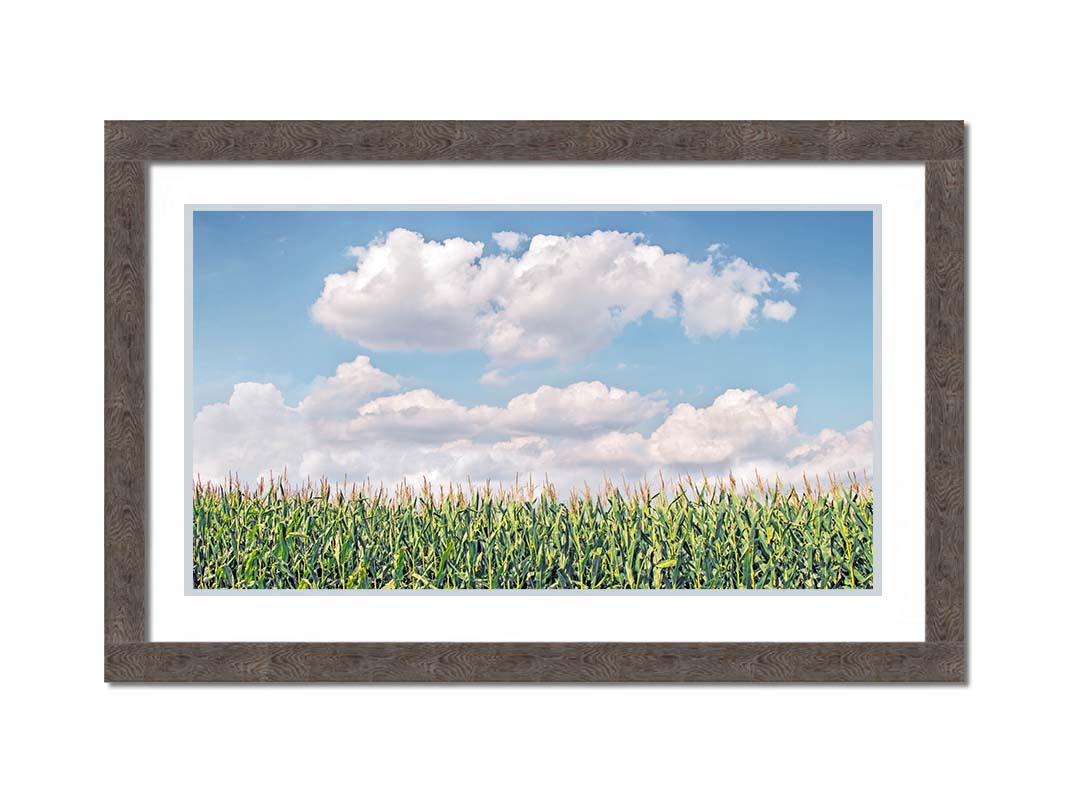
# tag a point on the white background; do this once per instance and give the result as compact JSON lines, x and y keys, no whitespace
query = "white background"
{"x":896,"y":614}
{"x":68,"y":68}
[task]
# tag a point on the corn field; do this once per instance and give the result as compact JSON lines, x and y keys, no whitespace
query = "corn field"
{"x":689,"y":535}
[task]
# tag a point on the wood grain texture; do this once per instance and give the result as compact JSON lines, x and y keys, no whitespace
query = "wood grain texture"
{"x":130,"y":145}
{"x":124,"y":407}
{"x":533,"y":141}
{"x":945,"y":399}
{"x":535,"y":662}
{"x":896,"y":141}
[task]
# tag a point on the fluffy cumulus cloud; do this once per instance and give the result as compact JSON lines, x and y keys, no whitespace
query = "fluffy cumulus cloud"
{"x":252,"y":434}
{"x":781,"y":310}
{"x":509,"y":240}
{"x":355,"y":425}
{"x":737,"y":425}
{"x":409,"y":294}
{"x":418,"y":415}
{"x":586,"y":407}
{"x":832,"y":451}
{"x":562,"y":298}
{"x":352,"y":383}
{"x":722,"y":301}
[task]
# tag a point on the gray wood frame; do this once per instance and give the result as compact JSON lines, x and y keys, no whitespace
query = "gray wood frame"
{"x":130,"y":146}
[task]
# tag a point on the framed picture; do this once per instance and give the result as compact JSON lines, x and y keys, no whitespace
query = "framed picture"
{"x":534,"y":401}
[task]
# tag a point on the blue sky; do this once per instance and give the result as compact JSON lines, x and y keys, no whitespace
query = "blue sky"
{"x":489,"y":345}
{"x":257,"y":274}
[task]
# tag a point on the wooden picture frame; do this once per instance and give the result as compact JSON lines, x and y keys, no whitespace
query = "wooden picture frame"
{"x":131,"y":146}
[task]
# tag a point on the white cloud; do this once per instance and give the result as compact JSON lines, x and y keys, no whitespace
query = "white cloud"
{"x":349,"y":386}
{"x":788,"y":281}
{"x":722,"y":302}
{"x":509,"y":240}
{"x":418,"y":414}
{"x":564,"y":297}
{"x":581,"y":407}
{"x":743,"y":432}
{"x":737,"y":424}
{"x":408,"y":294}
{"x":252,"y":434}
{"x":781,"y":310}
{"x":832,"y":451}
{"x":574,"y":434}
{"x":610,"y":452}
{"x":782,"y":391}
{"x":518,"y":458}
{"x":494,"y":377}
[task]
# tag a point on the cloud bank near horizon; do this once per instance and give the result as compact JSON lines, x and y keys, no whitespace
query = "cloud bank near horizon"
{"x":355,"y":426}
